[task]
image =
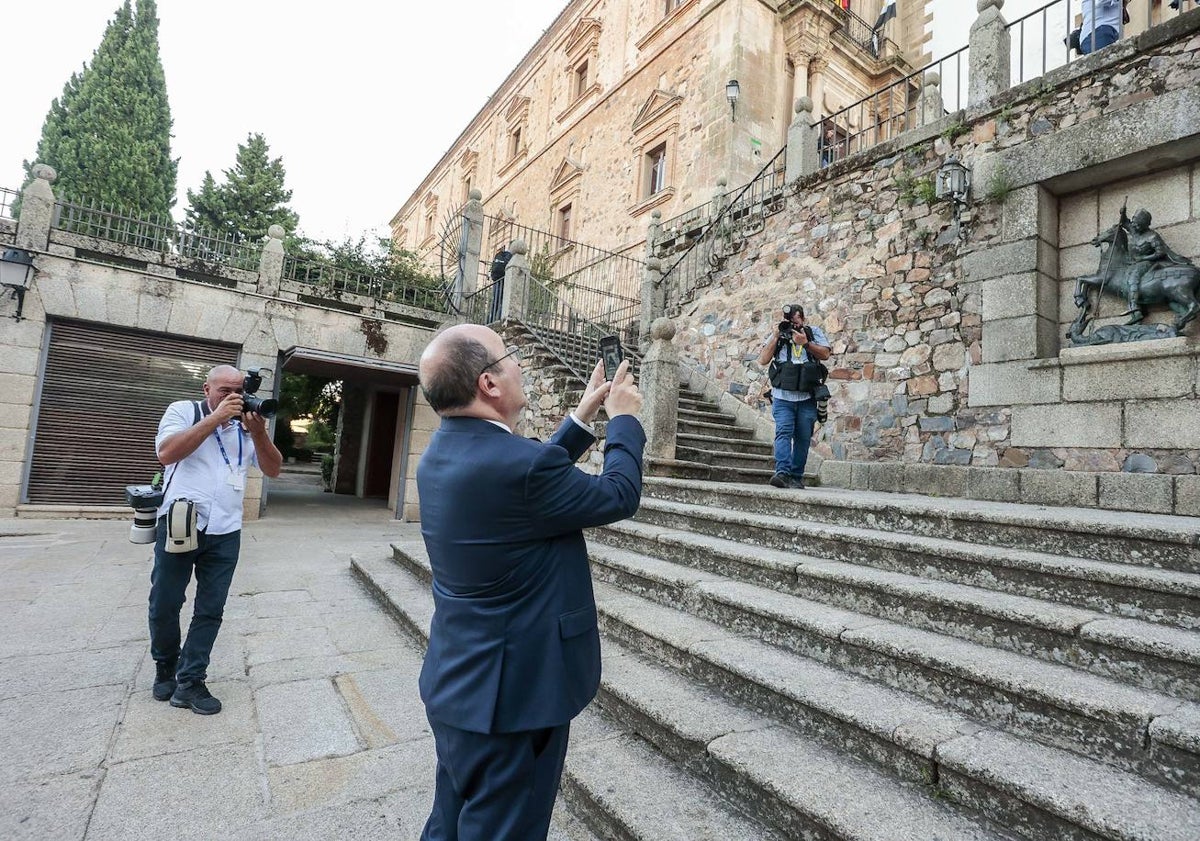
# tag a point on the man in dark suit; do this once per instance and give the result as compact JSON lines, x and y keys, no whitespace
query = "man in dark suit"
{"x":514,"y":650}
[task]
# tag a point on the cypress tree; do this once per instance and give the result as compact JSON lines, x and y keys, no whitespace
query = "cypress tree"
{"x":109,"y":134}
{"x":252,"y":198}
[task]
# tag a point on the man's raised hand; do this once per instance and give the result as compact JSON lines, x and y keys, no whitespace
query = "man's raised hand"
{"x":623,"y":395}
{"x":593,"y":395}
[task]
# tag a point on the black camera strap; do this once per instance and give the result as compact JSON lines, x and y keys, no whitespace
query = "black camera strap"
{"x":195,"y":420}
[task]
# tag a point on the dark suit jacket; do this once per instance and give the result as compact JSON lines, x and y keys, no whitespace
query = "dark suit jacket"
{"x":513,"y":643}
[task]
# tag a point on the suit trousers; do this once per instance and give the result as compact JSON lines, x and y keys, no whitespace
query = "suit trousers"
{"x":495,"y":786}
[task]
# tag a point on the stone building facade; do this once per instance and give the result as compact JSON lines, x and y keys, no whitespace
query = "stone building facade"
{"x":620,"y":108}
{"x":949,"y":338}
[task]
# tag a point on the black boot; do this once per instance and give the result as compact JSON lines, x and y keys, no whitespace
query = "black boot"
{"x":164,"y":679}
{"x":196,"y":697}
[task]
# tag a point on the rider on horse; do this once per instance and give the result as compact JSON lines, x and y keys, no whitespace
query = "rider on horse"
{"x":1146,"y":248}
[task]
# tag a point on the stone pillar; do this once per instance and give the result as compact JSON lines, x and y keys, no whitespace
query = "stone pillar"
{"x":653,"y":232}
{"x":652,"y":298}
{"x":37,"y":210}
{"x":516,"y":282}
{"x":989,"y":55}
{"x":930,"y":107}
{"x":660,"y":390}
{"x":270,"y":262}
{"x":803,"y":156}
{"x":473,"y":242}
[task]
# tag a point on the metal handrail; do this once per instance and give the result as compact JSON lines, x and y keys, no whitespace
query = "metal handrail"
{"x":335,"y":280}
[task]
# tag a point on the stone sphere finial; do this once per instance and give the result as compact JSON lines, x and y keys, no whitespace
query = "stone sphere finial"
{"x":475,"y":195}
{"x":655,"y":214}
{"x":932,"y":79}
{"x":654,"y":264}
{"x":519,"y":247}
{"x":276,"y":232}
{"x":722,"y":182}
{"x":982,"y":6}
{"x":663,"y":328}
{"x":804,"y":105}
{"x":45,"y":172}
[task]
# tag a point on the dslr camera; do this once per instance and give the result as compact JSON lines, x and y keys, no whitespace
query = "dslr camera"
{"x":258,"y":405}
{"x":144,"y":500}
{"x":786,"y":328}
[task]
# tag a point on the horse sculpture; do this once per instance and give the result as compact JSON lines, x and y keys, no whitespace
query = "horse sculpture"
{"x":1170,"y":280}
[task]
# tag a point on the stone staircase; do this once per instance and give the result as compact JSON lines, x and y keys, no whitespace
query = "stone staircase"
{"x":709,"y":445}
{"x":852,"y":665}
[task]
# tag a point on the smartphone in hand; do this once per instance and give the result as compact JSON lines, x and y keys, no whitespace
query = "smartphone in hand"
{"x":611,"y":353}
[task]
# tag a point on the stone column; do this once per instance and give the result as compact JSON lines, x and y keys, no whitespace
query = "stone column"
{"x":270,"y":262}
{"x":473,"y":234}
{"x":516,"y":282}
{"x":989,"y":56}
{"x":37,"y":210}
{"x":653,"y":232}
{"x":652,"y":298}
{"x":803,"y":156}
{"x":930,"y":107}
{"x":660,"y":390}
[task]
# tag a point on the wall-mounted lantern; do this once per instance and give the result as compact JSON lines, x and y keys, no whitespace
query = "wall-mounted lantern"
{"x":16,"y":273}
{"x":732,"y":91}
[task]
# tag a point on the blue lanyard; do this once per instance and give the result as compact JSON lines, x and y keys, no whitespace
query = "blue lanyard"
{"x":221,"y":444}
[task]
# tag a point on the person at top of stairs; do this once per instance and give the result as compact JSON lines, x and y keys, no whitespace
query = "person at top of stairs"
{"x":789,"y":348}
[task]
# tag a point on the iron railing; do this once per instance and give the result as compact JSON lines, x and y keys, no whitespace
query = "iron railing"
{"x":483,"y":305}
{"x":921,"y":97}
{"x":329,"y":280}
{"x":1042,"y":40}
{"x":8,"y":200}
{"x":862,"y":34}
{"x":738,"y":217}
{"x":155,"y":233}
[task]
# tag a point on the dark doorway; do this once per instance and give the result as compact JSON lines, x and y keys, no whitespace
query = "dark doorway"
{"x":381,"y":446}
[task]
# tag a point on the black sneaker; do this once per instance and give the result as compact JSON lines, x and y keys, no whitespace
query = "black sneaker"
{"x":164,"y":679}
{"x":196,"y":697}
{"x":796,"y":482}
{"x":781,"y":480}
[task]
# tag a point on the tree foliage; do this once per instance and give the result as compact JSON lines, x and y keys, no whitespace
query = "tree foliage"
{"x":109,"y":134}
{"x":252,"y":198}
{"x":395,"y":273}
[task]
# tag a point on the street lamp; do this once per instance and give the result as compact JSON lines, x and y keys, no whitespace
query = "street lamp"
{"x":16,"y":270}
{"x":732,"y":91}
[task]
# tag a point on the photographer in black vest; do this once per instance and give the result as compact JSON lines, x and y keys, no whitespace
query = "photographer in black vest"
{"x":794,"y":353}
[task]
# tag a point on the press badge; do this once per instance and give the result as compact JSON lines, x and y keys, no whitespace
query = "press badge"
{"x":237,"y":480}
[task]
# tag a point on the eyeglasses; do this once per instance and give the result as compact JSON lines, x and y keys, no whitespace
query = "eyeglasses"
{"x":512,"y":350}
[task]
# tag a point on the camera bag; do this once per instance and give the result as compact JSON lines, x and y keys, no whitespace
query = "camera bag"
{"x":797,"y":376}
{"x":181,"y":526}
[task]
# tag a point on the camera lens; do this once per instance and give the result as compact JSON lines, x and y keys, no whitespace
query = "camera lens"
{"x":260,"y":406}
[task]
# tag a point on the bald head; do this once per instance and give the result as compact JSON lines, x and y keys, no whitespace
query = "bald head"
{"x":451,"y":365}
{"x":222,"y":372}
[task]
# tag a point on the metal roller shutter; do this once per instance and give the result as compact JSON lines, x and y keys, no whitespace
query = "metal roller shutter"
{"x":104,"y":390}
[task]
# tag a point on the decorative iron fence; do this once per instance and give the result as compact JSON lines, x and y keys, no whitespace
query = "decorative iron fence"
{"x":328,"y":280}
{"x":862,"y":34}
{"x":594,"y":283}
{"x":8,"y":201}
{"x":737,"y":218}
{"x":155,"y":233}
{"x":921,"y":97}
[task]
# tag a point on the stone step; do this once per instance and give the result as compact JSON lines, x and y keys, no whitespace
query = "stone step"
{"x":1137,"y":653}
{"x":1129,"y":590}
{"x":723,"y":458}
{"x":698,"y":470}
{"x":1048,"y":702}
{"x":716,"y":430}
{"x":724,"y":444}
{"x":700,"y":416}
{"x":1152,"y":540}
{"x":612,"y":780}
{"x":1049,"y":792}
{"x":753,"y":760}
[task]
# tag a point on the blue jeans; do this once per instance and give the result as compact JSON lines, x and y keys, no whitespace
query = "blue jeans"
{"x":1102,"y":37}
{"x":214,"y":561}
{"x":794,"y":422}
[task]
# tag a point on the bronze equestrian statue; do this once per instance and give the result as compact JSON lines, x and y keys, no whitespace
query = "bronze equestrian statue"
{"x":1143,"y":270}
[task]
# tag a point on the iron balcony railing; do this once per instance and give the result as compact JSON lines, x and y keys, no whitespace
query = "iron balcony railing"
{"x":155,"y":233}
{"x":888,"y":112}
{"x":329,"y":280}
{"x":737,"y":218}
{"x":862,"y":34}
{"x":8,"y":201}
